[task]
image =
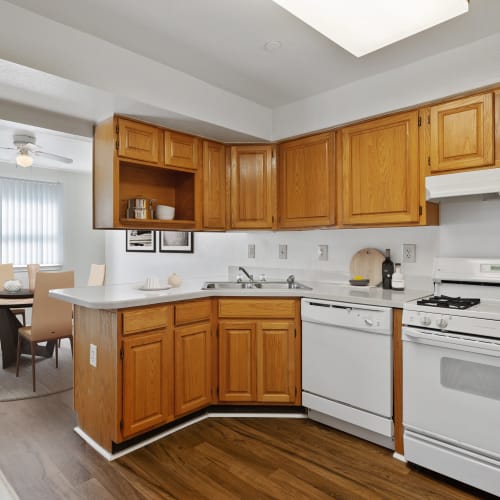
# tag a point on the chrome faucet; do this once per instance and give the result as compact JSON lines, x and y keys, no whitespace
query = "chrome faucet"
{"x":246,"y":273}
{"x":291,"y":281}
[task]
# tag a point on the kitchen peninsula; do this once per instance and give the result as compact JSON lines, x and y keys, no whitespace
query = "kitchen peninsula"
{"x":145,"y":359}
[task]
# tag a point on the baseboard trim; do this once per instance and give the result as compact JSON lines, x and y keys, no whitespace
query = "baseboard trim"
{"x":399,"y":457}
{"x":216,"y":414}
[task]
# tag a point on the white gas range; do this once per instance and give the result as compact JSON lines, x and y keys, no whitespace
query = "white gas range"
{"x":451,"y":373}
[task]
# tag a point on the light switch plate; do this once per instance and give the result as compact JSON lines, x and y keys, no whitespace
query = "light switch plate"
{"x":251,"y":251}
{"x":322,"y":252}
{"x":283,"y":251}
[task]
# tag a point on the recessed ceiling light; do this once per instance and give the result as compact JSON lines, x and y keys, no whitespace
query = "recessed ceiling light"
{"x":362,"y":26}
{"x":272,"y":45}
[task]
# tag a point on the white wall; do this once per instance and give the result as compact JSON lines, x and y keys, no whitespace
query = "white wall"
{"x":82,"y":244}
{"x":436,"y":77}
{"x":469,"y":228}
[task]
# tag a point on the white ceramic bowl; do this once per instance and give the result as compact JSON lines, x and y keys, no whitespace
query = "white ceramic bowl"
{"x":164,"y":212}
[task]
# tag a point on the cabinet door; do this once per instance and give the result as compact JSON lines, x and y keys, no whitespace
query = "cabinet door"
{"x":181,"y":150}
{"x":275,"y":361}
{"x":253,"y":186}
{"x":214,"y":185}
{"x":138,"y":141}
{"x":237,"y":361}
{"x":306,"y":187}
{"x":461,"y":134}
{"x":380,"y":180}
{"x":192,"y":355}
{"x":146,"y":382}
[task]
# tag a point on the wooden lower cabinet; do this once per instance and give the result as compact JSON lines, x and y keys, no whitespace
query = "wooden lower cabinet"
{"x":146,"y":382}
{"x":275,"y":360}
{"x":237,"y":381}
{"x":160,"y":362}
{"x":192,"y":355}
{"x":259,"y":358}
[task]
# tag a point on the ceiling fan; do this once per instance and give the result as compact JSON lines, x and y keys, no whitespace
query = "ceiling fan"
{"x":27,"y":149}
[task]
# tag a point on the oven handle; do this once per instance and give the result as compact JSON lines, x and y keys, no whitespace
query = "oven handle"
{"x":452,"y":341}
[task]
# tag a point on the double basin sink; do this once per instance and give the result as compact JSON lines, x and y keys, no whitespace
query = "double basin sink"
{"x":253,"y":285}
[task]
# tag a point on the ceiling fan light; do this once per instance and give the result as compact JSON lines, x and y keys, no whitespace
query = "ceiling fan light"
{"x":24,"y":160}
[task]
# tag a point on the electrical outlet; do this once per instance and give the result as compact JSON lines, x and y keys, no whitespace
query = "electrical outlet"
{"x":283,"y":252}
{"x":93,"y":355}
{"x":251,"y":251}
{"x":322,"y":252}
{"x":409,"y":252}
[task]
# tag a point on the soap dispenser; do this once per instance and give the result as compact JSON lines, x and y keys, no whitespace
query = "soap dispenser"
{"x":398,"y":280}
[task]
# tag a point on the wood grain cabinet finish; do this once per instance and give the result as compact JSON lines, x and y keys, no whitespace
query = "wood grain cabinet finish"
{"x":237,"y":380}
{"x":253,"y":187}
{"x":138,"y":141}
{"x":259,"y":355}
{"x":306,"y":182}
{"x":127,"y":165}
{"x":214,"y":186}
{"x":192,"y":357}
{"x":380,"y":178}
{"x":462,"y":134}
{"x":275,"y":359}
{"x":181,"y":150}
{"x":146,"y":383}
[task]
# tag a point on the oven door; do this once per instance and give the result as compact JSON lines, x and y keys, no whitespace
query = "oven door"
{"x":451,"y":388}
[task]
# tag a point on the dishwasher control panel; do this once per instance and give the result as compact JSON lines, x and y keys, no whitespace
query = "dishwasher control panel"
{"x":347,"y":314}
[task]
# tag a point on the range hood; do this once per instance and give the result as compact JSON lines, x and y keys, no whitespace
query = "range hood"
{"x":475,"y":182}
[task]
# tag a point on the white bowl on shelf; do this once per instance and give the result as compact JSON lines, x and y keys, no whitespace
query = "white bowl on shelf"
{"x":164,"y":212}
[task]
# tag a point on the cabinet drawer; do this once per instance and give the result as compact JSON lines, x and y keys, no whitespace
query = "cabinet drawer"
{"x":140,"y":320}
{"x":256,"y":308}
{"x":190,"y":312}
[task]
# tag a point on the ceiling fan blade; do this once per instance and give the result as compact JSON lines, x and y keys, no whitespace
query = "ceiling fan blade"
{"x":2,"y":147}
{"x":53,"y":156}
{"x":31,"y":147}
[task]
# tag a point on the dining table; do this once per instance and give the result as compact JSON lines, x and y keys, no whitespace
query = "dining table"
{"x":9,"y":325}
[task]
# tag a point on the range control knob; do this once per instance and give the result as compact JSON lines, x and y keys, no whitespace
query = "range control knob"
{"x":442,"y":323}
{"x":425,"y":321}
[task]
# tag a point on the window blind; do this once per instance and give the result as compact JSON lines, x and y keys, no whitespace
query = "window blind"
{"x":32,"y":227}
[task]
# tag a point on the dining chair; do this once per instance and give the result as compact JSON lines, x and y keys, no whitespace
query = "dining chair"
{"x":32,"y":270}
{"x":6,"y":274}
{"x":96,"y":275}
{"x":51,"y":319}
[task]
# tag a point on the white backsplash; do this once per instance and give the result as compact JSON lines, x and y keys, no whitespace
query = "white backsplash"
{"x":469,"y":228}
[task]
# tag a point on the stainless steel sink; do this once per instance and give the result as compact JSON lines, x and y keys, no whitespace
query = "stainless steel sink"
{"x":253,"y":285}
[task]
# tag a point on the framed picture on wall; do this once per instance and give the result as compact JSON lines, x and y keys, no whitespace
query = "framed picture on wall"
{"x":177,"y":241}
{"x":139,"y":240}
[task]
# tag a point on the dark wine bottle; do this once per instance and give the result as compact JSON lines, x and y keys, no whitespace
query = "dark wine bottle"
{"x":387,"y":270}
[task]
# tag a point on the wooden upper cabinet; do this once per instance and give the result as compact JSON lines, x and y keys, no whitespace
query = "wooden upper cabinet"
{"x":306,"y":182}
{"x":214,"y":185}
{"x":138,"y":141}
{"x":380,"y":181}
{"x":253,"y":187}
{"x":462,"y":134}
{"x":181,"y":150}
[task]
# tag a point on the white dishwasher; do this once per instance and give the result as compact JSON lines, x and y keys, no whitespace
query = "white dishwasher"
{"x":347,"y":367}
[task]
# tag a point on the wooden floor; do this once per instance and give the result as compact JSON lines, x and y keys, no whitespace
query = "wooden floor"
{"x":42,"y":458}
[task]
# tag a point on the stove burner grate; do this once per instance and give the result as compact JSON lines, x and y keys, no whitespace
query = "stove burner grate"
{"x":449,"y":302}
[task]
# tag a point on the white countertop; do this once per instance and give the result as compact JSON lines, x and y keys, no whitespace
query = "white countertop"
{"x":129,"y":295}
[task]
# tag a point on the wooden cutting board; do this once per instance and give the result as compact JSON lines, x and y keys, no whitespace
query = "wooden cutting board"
{"x":367,"y":263}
